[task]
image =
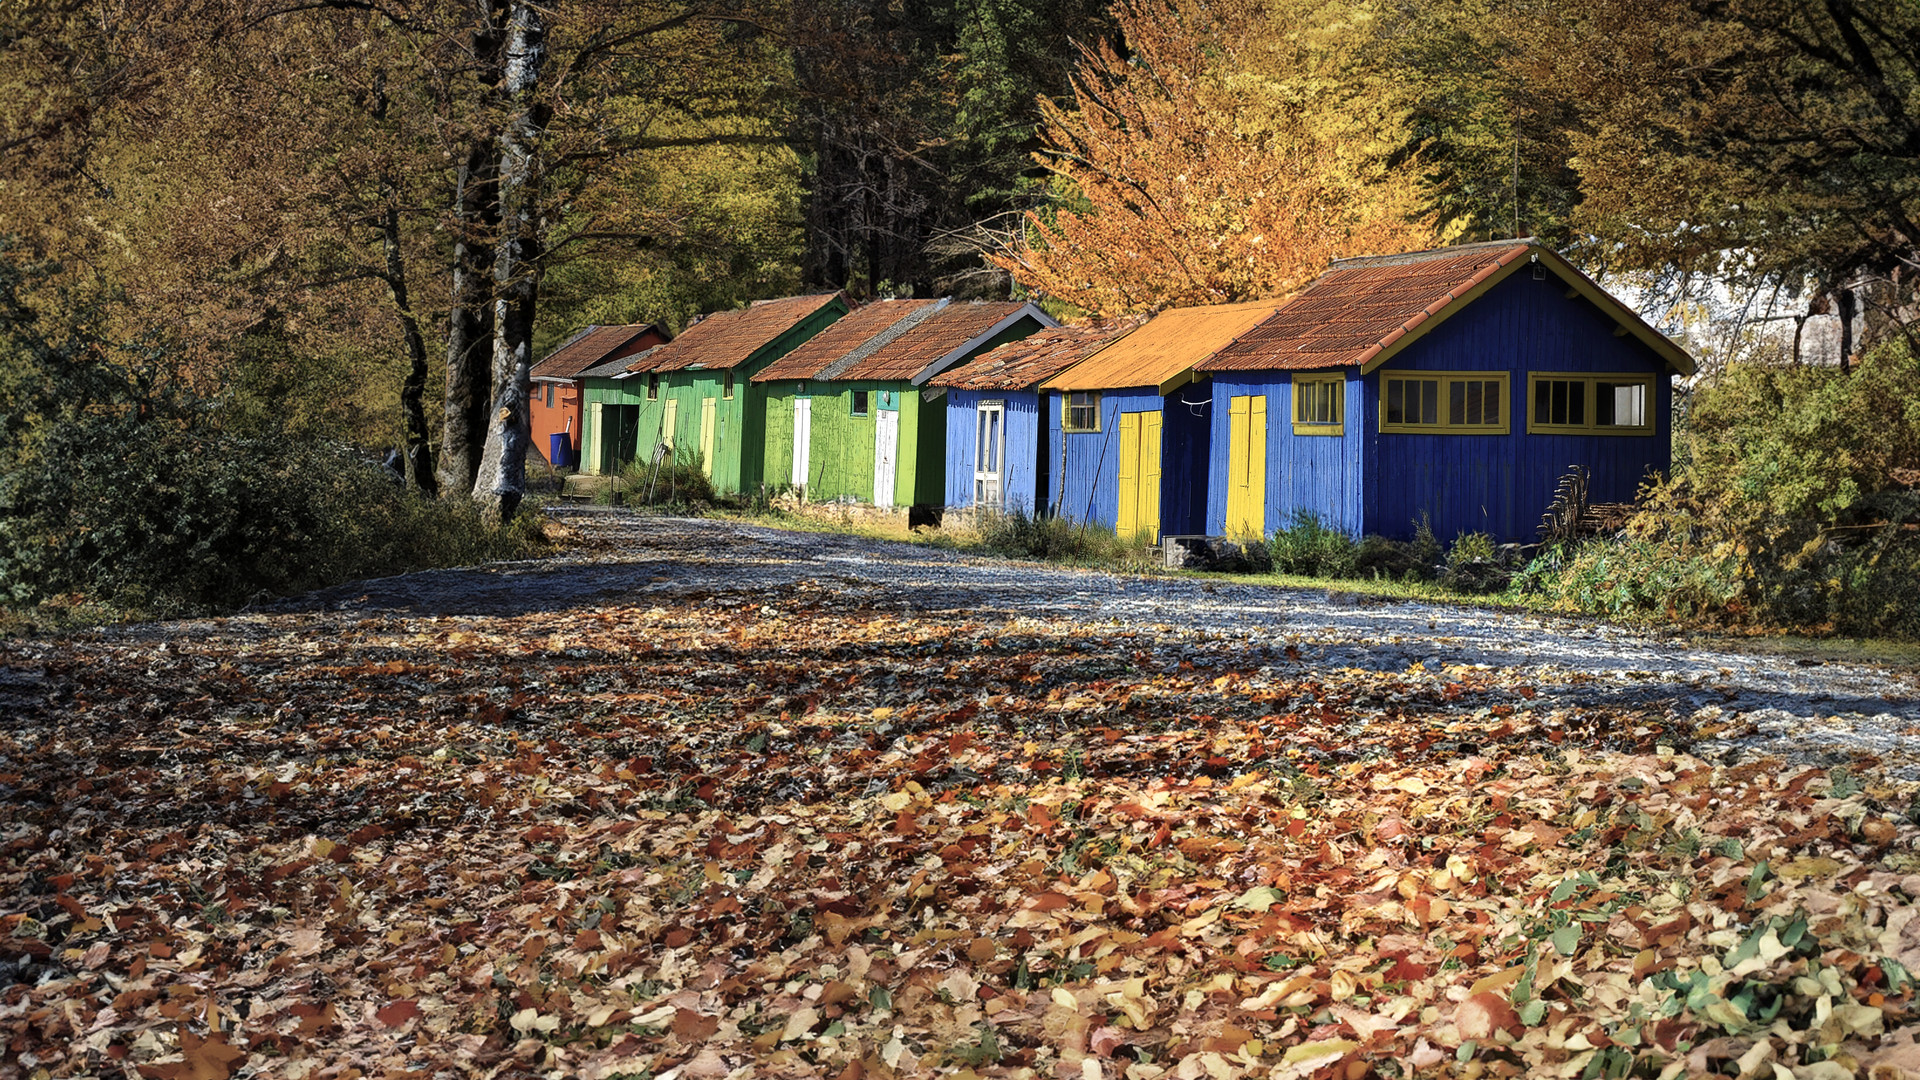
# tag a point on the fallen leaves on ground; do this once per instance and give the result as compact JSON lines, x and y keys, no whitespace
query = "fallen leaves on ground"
{"x":796,"y":839}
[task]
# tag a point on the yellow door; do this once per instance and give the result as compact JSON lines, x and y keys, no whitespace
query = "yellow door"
{"x":706,"y":436}
{"x":1139,"y":517}
{"x":670,"y":423}
{"x":596,"y":423}
{"x":1247,"y":467}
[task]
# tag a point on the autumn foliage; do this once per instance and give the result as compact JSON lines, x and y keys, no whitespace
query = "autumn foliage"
{"x":1216,"y":160}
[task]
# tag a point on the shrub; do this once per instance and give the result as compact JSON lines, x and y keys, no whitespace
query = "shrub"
{"x":1023,"y":536}
{"x":677,"y":483}
{"x":1474,"y":565}
{"x":155,"y":518}
{"x":1626,"y":576}
{"x":1312,"y":548}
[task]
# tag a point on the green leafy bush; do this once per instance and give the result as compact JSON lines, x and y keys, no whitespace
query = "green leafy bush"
{"x":1023,"y":536}
{"x":156,"y":518}
{"x":677,"y":484}
{"x":1312,"y":548}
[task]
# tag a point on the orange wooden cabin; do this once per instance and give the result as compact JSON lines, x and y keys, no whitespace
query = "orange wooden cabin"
{"x":557,"y":390}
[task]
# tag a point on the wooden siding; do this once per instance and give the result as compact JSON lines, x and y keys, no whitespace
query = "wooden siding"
{"x":1322,"y":475}
{"x":840,"y":462}
{"x":1086,"y":483}
{"x":1501,"y":484}
{"x":1025,"y":451}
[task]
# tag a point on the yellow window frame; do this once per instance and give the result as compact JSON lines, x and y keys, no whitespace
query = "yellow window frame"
{"x":1591,"y":381}
{"x":1306,"y":391}
{"x":1067,"y":407}
{"x":1445,"y":382}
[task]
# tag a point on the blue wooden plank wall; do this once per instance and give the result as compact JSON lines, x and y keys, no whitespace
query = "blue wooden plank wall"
{"x":1186,"y":433}
{"x":1306,"y":474}
{"x":1086,"y":465}
{"x":1023,"y":446}
{"x":1502,"y":484}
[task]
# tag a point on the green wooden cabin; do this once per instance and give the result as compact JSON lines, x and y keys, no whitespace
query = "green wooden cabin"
{"x":846,"y":415}
{"x":695,"y":395}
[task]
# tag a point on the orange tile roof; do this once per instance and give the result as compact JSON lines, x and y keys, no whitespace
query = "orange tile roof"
{"x":596,"y":345}
{"x":829,"y":346}
{"x":727,"y":339}
{"x":1362,"y":311}
{"x":930,"y":339}
{"x":1361,"y":306}
{"x":1162,"y":352}
{"x":1024,"y":364}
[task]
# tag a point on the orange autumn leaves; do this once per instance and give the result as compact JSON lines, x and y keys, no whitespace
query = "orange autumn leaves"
{"x":1222,"y":157}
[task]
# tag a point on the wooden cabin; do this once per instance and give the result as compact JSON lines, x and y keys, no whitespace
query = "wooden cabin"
{"x":695,"y":394}
{"x":1455,"y":386}
{"x":997,"y":457}
{"x":1129,"y":428}
{"x":558,"y":388}
{"x":846,"y":416}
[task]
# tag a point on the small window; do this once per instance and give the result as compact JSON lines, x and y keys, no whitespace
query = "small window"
{"x":1472,"y":403}
{"x":1590,"y":404}
{"x":653,"y":386}
{"x":726,"y":386}
{"x":1319,"y":405}
{"x":1081,"y":411}
{"x":859,"y":403}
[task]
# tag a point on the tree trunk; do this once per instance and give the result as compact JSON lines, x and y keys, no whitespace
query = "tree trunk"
{"x":1846,"y":330}
{"x":476,"y":223}
{"x":413,"y":391}
{"x":516,"y":278}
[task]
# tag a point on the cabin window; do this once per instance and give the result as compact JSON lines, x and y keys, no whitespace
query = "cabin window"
{"x":1578,"y":404}
{"x":1318,"y":405}
{"x":653,"y":386}
{"x":726,"y":386}
{"x":859,"y":403}
{"x":1446,"y":403}
{"x":1080,"y":411}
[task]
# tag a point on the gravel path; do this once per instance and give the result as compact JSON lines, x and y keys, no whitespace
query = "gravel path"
{"x":1757,"y":703}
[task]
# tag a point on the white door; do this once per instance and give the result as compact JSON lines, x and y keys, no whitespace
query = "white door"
{"x":886,"y":447}
{"x":802,"y":440}
{"x":990,"y":455}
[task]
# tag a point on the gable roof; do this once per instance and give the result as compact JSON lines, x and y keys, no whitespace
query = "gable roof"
{"x":593,"y":346}
{"x":727,"y":339}
{"x":619,"y":367}
{"x":1363,"y":311}
{"x":937,"y":341}
{"x":847,"y":334}
{"x":1024,"y":364}
{"x":1162,"y":353}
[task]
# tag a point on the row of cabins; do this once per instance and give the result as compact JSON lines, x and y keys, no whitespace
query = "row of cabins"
{"x":1454,"y":386}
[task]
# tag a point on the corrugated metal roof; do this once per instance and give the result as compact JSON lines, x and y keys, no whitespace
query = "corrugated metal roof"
{"x":1024,"y":364}
{"x":1162,"y":352}
{"x":728,"y":339}
{"x":1362,"y":311}
{"x":927,"y":341}
{"x":593,"y":346}
{"x":842,"y":339}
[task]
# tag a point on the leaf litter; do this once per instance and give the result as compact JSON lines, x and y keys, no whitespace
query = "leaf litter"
{"x":814,"y":831}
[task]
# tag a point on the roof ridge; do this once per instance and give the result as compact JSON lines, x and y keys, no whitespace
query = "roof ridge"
{"x":882,"y":339}
{"x":1429,"y":254}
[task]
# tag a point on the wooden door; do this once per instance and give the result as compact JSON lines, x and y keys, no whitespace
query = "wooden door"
{"x":596,"y":423}
{"x":802,"y":442}
{"x":886,"y":450}
{"x":1247,"y":467}
{"x":670,"y":423}
{"x":1139,"y":517}
{"x":990,"y":455}
{"x":706,"y":435}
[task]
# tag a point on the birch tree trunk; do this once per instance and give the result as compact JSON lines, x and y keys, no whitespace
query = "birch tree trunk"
{"x":516,"y":279}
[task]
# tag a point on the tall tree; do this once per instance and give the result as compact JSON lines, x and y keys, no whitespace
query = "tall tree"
{"x":1216,"y":161}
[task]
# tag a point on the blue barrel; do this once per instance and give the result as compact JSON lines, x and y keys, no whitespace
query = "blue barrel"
{"x":557,"y":449}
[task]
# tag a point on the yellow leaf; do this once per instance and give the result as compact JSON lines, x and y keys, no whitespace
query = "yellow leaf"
{"x":1498,"y":981}
{"x":1315,"y":1051}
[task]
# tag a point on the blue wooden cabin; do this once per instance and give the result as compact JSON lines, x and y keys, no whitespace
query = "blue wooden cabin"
{"x":1129,"y":427}
{"x":1456,"y":385}
{"x":996,"y":455}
